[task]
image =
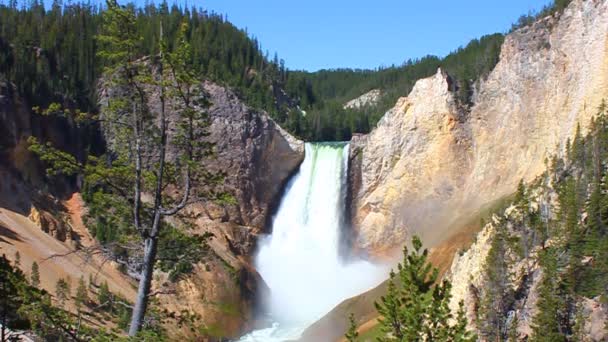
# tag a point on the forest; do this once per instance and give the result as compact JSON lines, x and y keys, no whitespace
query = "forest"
{"x":51,"y":57}
{"x":560,"y":221}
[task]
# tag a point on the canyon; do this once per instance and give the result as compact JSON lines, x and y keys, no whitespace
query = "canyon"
{"x":430,"y":166}
{"x":433,"y":165}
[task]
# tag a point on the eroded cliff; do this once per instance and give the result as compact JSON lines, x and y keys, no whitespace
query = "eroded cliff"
{"x":430,"y":163}
{"x":257,"y":157}
{"x":254,"y":153}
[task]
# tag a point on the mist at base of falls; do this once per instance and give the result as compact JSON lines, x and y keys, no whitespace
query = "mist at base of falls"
{"x":300,"y":261}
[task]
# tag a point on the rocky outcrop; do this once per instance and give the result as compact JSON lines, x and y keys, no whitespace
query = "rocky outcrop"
{"x":430,"y":163}
{"x":368,"y":99}
{"x":25,"y":187}
{"x":469,"y":275}
{"x":596,"y":317}
{"x":256,"y":154}
{"x":256,"y":157}
{"x":408,"y":163}
{"x":19,"y":169}
{"x":50,"y":224}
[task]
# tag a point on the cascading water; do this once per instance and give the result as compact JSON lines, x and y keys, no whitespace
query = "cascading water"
{"x":300,"y":261}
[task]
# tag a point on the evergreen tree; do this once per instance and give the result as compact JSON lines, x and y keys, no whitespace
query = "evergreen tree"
{"x":578,"y":331}
{"x":460,"y":331}
{"x":81,"y":300}
{"x":62,"y":291}
{"x":141,"y":133}
{"x":104,"y":296}
{"x":352,"y":334}
{"x":35,"y":275}
{"x":389,"y":309}
{"x":120,"y":39}
{"x":417,"y":309}
{"x":10,"y":300}
{"x":17,"y":259}
{"x":497,"y":294}
{"x":551,"y":307}
{"x":82,"y":295}
{"x":513,"y":332}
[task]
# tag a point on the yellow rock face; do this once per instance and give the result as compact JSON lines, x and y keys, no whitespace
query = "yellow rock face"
{"x":429,"y":163}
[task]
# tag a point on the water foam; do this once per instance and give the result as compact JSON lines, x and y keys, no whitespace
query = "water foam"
{"x":300,"y":261}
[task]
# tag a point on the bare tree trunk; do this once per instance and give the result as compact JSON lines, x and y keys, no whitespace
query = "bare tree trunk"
{"x":145,"y":283}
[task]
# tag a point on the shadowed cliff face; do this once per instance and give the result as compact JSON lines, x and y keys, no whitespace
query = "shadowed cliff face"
{"x":23,"y":177}
{"x":429,"y":163}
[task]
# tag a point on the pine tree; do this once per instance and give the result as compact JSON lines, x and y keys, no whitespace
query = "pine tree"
{"x":417,"y":308}
{"x":17,"y":259}
{"x":389,"y":309}
{"x":352,"y":334}
{"x":578,"y":147}
{"x":513,"y":332}
{"x":35,"y":275}
{"x":10,"y":300}
{"x":104,"y":296}
{"x":551,"y":306}
{"x":140,"y":133}
{"x":460,"y":331}
{"x":520,"y":194}
{"x":438,"y":314}
{"x":578,"y":331}
{"x":82,"y":295}
{"x":62,"y":291}
{"x":81,"y":300}
{"x":496,"y":294}
{"x":173,"y":77}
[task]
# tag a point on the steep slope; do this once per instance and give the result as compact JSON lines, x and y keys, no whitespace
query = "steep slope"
{"x":512,"y":248}
{"x":430,"y":167}
{"x":430,"y":163}
{"x":257,"y":157}
{"x":42,"y":216}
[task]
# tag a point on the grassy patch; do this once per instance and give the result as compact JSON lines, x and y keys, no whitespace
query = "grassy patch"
{"x":371,"y":334}
{"x":212,"y":330}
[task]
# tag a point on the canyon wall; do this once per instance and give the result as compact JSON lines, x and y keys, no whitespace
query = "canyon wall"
{"x":257,"y":157}
{"x":254,"y":153}
{"x":431,"y":162}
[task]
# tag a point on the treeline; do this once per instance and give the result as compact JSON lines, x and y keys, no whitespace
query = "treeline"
{"x":560,"y":221}
{"x":557,"y":6}
{"x":323,"y":93}
{"x":51,"y":55}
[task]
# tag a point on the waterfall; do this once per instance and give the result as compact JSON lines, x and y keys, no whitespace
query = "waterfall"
{"x":300,"y":260}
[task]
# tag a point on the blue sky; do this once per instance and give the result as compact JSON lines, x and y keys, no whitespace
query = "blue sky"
{"x":316,"y":34}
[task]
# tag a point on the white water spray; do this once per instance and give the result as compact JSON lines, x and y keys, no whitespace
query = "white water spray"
{"x":300,"y":261}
